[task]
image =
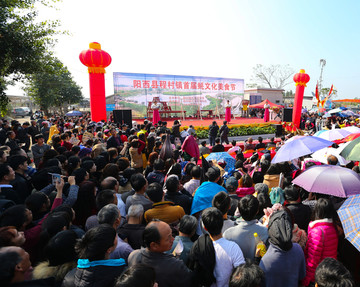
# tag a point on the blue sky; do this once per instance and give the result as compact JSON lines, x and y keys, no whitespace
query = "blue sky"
{"x":213,"y":38}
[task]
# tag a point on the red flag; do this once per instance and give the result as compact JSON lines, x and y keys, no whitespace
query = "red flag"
{"x":317,"y":95}
{"x":331,"y":89}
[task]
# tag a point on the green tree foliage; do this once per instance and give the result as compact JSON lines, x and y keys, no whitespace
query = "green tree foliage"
{"x":325,"y":91}
{"x":53,"y":87}
{"x":24,"y":41}
{"x":273,"y":76}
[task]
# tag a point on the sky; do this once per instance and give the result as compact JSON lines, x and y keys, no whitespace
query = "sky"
{"x":212,"y":38}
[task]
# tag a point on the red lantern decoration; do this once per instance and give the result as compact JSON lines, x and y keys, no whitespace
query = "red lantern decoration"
{"x":96,"y":60}
{"x":301,"y":79}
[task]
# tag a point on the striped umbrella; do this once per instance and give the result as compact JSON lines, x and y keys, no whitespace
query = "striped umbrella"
{"x":349,"y":214}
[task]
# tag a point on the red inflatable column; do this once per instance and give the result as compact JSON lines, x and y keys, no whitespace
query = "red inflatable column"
{"x":96,"y":60}
{"x":301,"y":79}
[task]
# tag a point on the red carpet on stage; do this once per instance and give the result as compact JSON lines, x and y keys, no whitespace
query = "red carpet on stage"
{"x":206,"y":122}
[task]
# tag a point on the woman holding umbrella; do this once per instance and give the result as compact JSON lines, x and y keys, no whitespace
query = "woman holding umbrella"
{"x":322,"y":238}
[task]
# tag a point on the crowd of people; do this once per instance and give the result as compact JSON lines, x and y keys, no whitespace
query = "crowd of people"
{"x":101,"y":204}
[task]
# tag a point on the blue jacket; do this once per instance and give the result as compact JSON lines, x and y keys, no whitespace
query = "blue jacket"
{"x":204,"y":195}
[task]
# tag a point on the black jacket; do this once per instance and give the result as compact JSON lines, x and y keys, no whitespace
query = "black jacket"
{"x":218,"y":148}
{"x":112,"y":142}
{"x":97,"y":276}
{"x":170,"y":272}
{"x":10,"y":194}
{"x":301,"y":213}
{"x":133,"y":233}
{"x":22,"y":186}
{"x":224,"y":131}
{"x":180,"y":199}
{"x":213,"y":130}
{"x":202,"y":261}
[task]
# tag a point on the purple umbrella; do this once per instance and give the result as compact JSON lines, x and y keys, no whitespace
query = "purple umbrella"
{"x":329,"y":179}
{"x":302,"y":145}
{"x":335,"y":134}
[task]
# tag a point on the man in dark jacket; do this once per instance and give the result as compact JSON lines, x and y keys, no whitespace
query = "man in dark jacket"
{"x":169,"y":270}
{"x":213,"y":131}
{"x":33,"y":130}
{"x":176,"y":196}
{"x":11,"y":142}
{"x":7,"y":191}
{"x":114,"y":140}
{"x":3,"y":130}
{"x":301,"y":212}
{"x":23,"y":135}
{"x":157,"y":174}
{"x":218,"y":147}
{"x":22,"y":182}
{"x":224,"y":131}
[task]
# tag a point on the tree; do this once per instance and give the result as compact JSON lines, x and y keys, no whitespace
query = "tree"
{"x":274,"y":76}
{"x":53,"y":87}
{"x":24,"y":42}
{"x":325,"y":92}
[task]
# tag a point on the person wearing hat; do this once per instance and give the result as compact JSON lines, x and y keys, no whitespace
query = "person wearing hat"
{"x":284,"y":261}
{"x":207,"y":190}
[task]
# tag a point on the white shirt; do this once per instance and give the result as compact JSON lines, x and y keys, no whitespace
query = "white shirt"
{"x":192,"y":185}
{"x":228,"y":256}
{"x":155,"y":106}
{"x":121,"y":205}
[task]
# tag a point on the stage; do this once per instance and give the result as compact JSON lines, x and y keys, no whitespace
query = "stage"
{"x":205,"y":122}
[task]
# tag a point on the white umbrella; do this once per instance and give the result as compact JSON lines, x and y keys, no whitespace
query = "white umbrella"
{"x":335,"y":134}
{"x":334,"y":111}
{"x":352,"y":129}
{"x":322,"y":154}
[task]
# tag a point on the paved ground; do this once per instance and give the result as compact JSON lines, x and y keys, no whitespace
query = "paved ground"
{"x":22,"y":120}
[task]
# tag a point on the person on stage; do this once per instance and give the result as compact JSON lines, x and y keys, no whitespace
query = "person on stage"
{"x":266,"y":113}
{"x":228,"y":111}
{"x":155,"y":107}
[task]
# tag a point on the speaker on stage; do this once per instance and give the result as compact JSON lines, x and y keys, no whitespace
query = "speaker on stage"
{"x":123,"y":117}
{"x":287,"y":115}
{"x":278,"y":130}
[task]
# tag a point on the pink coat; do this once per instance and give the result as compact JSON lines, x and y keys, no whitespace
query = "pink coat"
{"x":190,"y":146}
{"x":322,"y":242}
{"x":243,"y":191}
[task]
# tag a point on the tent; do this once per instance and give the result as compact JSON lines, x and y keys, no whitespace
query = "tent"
{"x":261,"y":105}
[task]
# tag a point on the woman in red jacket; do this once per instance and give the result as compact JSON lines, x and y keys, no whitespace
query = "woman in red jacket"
{"x":322,"y":238}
